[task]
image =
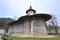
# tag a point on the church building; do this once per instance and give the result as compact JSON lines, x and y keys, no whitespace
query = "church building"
{"x":31,"y":24}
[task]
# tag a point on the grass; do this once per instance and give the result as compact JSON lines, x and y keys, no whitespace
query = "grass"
{"x":30,"y":38}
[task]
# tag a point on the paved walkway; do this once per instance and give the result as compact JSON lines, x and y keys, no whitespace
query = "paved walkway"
{"x":0,"y":37}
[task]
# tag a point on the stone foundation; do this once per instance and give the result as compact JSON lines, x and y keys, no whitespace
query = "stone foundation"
{"x":28,"y":34}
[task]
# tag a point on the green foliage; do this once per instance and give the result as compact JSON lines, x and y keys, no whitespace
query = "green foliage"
{"x":4,"y":21}
{"x":4,"y":37}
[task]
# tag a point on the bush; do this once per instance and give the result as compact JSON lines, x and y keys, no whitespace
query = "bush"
{"x":4,"y":37}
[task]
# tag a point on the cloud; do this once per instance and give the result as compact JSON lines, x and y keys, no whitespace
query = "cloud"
{"x":11,"y":8}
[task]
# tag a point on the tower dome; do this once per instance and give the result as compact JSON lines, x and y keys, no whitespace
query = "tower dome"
{"x":30,"y":11}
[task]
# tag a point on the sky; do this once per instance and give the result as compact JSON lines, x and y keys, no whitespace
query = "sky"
{"x":17,"y":8}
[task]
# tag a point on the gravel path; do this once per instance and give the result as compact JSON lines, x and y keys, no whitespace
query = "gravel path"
{"x":0,"y":37}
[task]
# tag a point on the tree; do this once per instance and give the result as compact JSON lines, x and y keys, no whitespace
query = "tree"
{"x":53,"y":23}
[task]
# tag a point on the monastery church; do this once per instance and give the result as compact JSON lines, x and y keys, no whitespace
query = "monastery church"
{"x":31,"y":24}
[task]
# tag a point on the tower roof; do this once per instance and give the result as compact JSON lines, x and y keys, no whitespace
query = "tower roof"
{"x":30,"y":9}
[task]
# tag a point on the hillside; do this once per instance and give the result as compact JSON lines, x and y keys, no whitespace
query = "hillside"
{"x":4,"y":21}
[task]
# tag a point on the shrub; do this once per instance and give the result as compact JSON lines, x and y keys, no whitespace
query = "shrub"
{"x":4,"y":37}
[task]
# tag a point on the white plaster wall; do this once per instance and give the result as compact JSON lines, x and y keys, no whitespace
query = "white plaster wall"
{"x":16,"y":28}
{"x":19,"y":28}
{"x":30,"y":13}
{"x":40,"y":26}
{"x":33,"y":26}
{"x":26,"y":26}
{"x":11,"y":29}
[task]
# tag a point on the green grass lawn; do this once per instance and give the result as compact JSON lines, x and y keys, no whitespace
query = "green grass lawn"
{"x":30,"y":38}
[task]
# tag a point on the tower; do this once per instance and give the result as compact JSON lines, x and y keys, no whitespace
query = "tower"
{"x":30,"y":11}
